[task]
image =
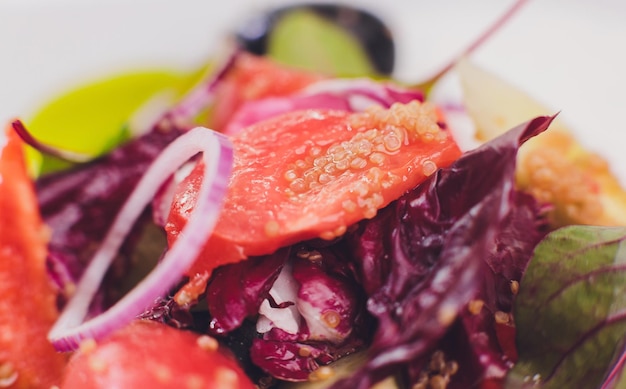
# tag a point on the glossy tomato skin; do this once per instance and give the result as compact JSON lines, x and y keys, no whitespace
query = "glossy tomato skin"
{"x":312,"y":174}
{"x":152,"y":355}
{"x":28,"y":303}
{"x":251,"y":78}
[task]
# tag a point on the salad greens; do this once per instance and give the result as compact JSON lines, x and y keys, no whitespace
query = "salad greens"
{"x":460,"y":282}
{"x":570,"y":313}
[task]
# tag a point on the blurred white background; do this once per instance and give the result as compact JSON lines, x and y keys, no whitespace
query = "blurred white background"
{"x":569,"y":54}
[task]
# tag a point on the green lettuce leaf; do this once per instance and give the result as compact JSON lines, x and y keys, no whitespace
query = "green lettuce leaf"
{"x":570,"y":313}
{"x":308,"y":41}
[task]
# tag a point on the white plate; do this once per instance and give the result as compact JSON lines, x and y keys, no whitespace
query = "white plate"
{"x":568,"y":53}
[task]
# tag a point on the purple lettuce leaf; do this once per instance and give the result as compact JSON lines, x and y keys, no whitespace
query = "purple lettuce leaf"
{"x":328,"y":301}
{"x":165,"y":310}
{"x":436,"y":240}
{"x":235,"y":291}
{"x":294,"y":357}
{"x":326,"y":320}
{"x":491,"y":341}
{"x":285,"y":358}
{"x":484,"y":347}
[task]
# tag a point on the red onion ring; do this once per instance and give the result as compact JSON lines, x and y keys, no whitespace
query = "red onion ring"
{"x":203,"y":94}
{"x":361,"y":93}
{"x":71,"y":328}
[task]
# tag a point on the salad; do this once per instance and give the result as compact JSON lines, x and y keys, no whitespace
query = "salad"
{"x":281,"y":226}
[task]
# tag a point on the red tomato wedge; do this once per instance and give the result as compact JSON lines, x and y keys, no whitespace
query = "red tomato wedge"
{"x":152,"y":355}
{"x":28,"y":303}
{"x":311,"y":174}
{"x":252,"y":78}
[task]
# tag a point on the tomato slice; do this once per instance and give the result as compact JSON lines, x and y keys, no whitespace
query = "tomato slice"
{"x":251,"y":78}
{"x":28,"y":303}
{"x":152,"y":355}
{"x":312,"y":174}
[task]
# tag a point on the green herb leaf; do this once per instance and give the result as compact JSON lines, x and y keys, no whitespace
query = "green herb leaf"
{"x":306,"y":40}
{"x":571,"y":311}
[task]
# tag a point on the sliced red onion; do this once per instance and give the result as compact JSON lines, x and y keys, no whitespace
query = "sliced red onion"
{"x":255,"y":111}
{"x":202,"y":95}
{"x":364,"y":92}
{"x":163,"y":199}
{"x":354,"y":95}
{"x":71,"y":328}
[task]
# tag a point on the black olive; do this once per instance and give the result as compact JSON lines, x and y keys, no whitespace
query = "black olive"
{"x":374,"y":36}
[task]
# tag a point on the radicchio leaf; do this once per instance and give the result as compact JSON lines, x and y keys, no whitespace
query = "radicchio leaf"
{"x":236,"y":291}
{"x":436,"y":240}
{"x":329,"y":320}
{"x":288,"y":359}
{"x":571,"y":310}
{"x":167,"y":311}
{"x":328,"y":302}
{"x":292,"y":357}
{"x":490,"y":331}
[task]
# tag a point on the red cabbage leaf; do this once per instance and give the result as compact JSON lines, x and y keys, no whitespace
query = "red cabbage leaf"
{"x":432,"y":245}
{"x":235,"y":291}
{"x":330,"y":321}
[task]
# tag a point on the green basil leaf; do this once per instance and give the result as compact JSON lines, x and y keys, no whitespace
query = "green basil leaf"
{"x":570,"y":313}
